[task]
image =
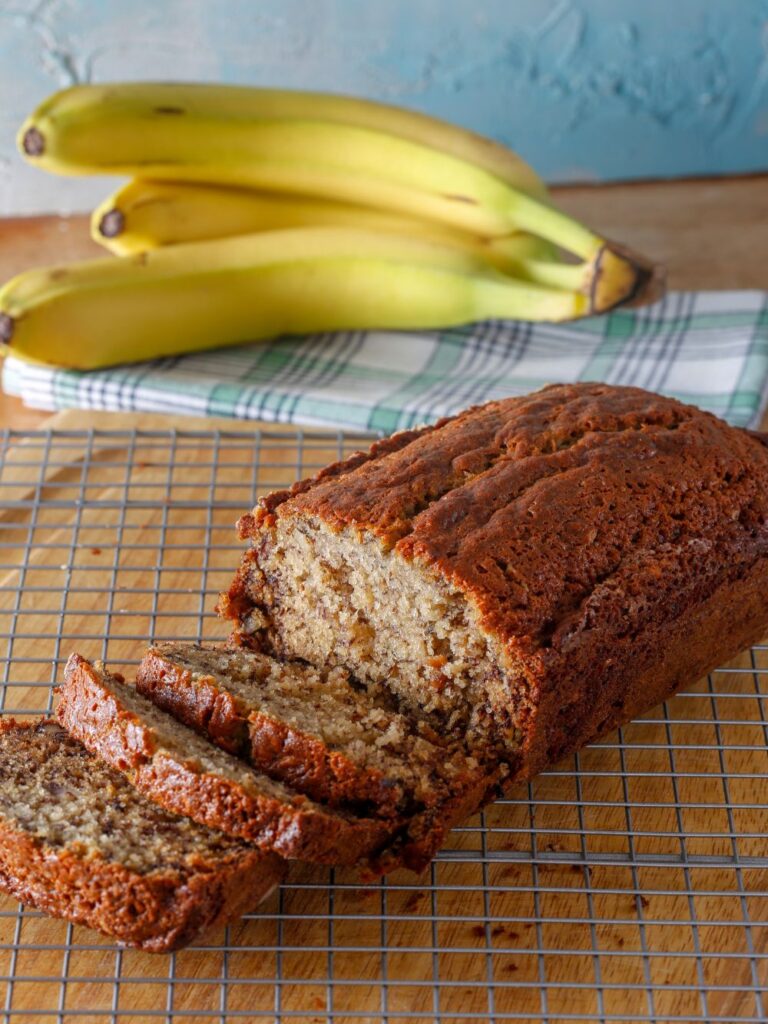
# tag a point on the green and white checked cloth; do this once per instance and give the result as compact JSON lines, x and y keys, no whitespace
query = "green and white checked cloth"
{"x":708,"y":348}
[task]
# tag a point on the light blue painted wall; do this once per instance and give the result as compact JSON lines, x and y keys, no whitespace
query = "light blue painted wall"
{"x":585,"y":89}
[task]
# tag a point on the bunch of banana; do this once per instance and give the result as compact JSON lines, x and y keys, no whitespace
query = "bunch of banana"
{"x":255,"y":212}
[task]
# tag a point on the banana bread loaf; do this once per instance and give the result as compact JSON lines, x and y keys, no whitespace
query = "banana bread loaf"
{"x":78,"y":841}
{"x":527,"y":574}
{"x":184,"y":773}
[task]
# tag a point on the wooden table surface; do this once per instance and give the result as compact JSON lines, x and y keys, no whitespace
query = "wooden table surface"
{"x":708,"y":233}
{"x":618,"y":888}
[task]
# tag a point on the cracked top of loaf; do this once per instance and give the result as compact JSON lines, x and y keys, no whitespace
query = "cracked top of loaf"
{"x":576,"y":503}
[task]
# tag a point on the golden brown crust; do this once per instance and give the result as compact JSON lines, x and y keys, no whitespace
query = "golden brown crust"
{"x":387,"y":446}
{"x":200,"y":704}
{"x":157,"y":912}
{"x":283,"y":751}
{"x":92,"y":713}
{"x":633,"y":673}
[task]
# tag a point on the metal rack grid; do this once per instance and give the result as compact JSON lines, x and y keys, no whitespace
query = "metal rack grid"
{"x":629,"y":883}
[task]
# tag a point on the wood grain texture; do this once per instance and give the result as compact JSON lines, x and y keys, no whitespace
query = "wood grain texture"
{"x":508,"y":909}
{"x":583,"y":861}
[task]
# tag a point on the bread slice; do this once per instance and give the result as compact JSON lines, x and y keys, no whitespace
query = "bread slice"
{"x":313,"y":730}
{"x":79,"y":842}
{"x":529,"y":573}
{"x":184,"y":773}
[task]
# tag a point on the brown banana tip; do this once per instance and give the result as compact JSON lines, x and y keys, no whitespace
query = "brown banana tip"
{"x":6,"y":328}
{"x":33,"y":142}
{"x":597,"y":274}
{"x":647,"y":283}
{"x":112,"y":223}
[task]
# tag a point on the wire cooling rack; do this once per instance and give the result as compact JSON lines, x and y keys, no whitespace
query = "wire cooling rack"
{"x":630,"y":883}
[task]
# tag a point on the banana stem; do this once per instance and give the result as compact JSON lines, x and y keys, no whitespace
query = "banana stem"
{"x":554,"y":225}
{"x":570,"y":277}
{"x":611,"y":275}
{"x":520,"y":245}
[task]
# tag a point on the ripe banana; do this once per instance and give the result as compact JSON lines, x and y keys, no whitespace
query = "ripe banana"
{"x":222,"y":109}
{"x":145,"y":215}
{"x":202,"y":294}
{"x":323,"y":146}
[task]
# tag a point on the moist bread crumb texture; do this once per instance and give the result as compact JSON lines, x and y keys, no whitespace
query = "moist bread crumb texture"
{"x":78,"y":841}
{"x":525,"y":575}
{"x":186,"y":774}
{"x":315,"y":730}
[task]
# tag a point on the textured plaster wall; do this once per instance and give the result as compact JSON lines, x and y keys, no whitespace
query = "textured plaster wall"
{"x":585,"y":89}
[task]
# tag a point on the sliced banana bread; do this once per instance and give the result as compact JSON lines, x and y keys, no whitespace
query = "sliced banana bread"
{"x":312,"y":729}
{"x":79,"y":842}
{"x":529,"y":573}
{"x":184,"y":773}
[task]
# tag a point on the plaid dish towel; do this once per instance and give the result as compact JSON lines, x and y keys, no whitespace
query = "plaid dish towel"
{"x":708,"y":348}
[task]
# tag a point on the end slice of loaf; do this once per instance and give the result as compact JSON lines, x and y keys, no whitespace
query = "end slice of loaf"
{"x":312,"y":729}
{"x":78,"y":841}
{"x":178,"y":769}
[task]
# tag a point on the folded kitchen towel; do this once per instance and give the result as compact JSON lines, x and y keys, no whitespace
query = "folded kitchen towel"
{"x":708,"y":348}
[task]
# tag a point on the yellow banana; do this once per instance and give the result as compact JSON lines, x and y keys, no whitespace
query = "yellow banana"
{"x":145,"y":215}
{"x":224,"y":292}
{"x":222,"y":107}
{"x":328,"y":147}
